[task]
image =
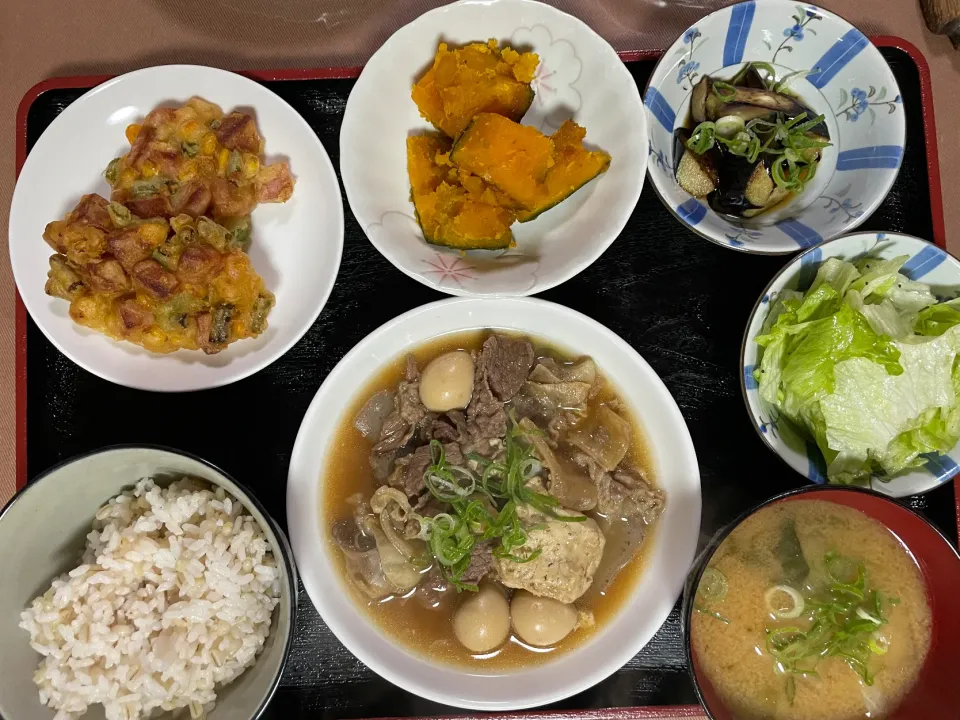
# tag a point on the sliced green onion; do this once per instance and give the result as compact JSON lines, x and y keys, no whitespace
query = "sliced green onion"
{"x":711,"y":613}
{"x":713,"y":585}
{"x":789,"y":614}
{"x":724,"y":90}
{"x":787,"y":79}
{"x":878,"y":644}
{"x":702,"y":138}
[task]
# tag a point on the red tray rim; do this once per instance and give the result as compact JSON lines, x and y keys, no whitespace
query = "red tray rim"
{"x":330,"y":73}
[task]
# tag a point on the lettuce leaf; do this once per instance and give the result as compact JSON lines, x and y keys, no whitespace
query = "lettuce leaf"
{"x":865,"y":363}
{"x":937,"y":319}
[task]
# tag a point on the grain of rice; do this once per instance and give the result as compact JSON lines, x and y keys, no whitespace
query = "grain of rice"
{"x":173,"y":599}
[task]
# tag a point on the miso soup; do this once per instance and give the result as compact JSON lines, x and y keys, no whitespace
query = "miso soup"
{"x":810,"y":610}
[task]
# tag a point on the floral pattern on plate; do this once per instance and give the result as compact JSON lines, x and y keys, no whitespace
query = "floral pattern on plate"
{"x":826,"y":59}
{"x":555,"y":97}
{"x":864,"y":101}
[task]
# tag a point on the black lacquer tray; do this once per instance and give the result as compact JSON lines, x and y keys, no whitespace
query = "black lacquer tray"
{"x":681,"y":301}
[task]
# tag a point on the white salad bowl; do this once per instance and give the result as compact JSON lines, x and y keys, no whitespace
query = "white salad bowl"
{"x":296,"y":245}
{"x":849,"y":82}
{"x":656,"y":590}
{"x":580,"y":77}
{"x":928,"y":264}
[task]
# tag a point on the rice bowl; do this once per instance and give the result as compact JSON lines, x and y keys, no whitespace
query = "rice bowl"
{"x":181,"y":597}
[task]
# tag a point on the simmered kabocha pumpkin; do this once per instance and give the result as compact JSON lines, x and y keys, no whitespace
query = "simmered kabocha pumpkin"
{"x":513,"y":157}
{"x":477,"y":78}
{"x":573,"y":167}
{"x":455,"y":209}
{"x":537,"y":171}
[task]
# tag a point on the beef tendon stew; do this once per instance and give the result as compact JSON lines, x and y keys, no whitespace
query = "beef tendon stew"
{"x":491,"y":500}
{"x":811,"y":610}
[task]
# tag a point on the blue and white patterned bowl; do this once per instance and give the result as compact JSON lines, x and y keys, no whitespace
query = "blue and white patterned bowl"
{"x":927,"y":263}
{"x":850,"y":84}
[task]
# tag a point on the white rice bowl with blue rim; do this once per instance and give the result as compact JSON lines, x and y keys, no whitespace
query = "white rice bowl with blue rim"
{"x":927,"y":264}
{"x":849,"y":83}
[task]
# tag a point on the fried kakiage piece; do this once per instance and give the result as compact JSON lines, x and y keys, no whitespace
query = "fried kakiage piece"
{"x":194,"y":160}
{"x":182,"y":283}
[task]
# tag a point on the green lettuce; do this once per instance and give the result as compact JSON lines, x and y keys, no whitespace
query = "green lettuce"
{"x":865,"y":364}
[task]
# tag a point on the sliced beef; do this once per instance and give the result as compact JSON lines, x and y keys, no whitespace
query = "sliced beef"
{"x":486,"y":418}
{"x":449,"y":427}
{"x":624,"y":493}
{"x":647,"y":501}
{"x":409,"y":412}
{"x":506,"y":362}
{"x":408,"y":471}
{"x":481,"y":563}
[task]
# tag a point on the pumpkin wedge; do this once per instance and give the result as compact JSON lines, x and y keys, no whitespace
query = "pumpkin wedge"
{"x":477,"y":78}
{"x":514,"y":158}
{"x":455,"y":209}
{"x":573,"y":167}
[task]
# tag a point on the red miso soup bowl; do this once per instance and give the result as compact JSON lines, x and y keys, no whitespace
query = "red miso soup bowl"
{"x":936,"y":692}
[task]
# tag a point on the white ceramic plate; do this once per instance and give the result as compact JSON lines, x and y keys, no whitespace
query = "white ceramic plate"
{"x":854,"y":89}
{"x":580,"y":76}
{"x":674,"y":540}
{"x":296,"y":245}
{"x":928,"y":264}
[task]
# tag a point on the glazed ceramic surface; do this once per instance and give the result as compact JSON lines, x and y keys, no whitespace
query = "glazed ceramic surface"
{"x":44,"y":528}
{"x":848,"y":81}
{"x":667,"y":561}
{"x":579,"y":77}
{"x":296,"y":246}
{"x":928,"y":264}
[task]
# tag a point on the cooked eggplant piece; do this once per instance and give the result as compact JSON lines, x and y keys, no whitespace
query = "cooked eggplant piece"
{"x":776,"y":197}
{"x":697,"y":174}
{"x":698,"y":99}
{"x":759,"y":187}
{"x":768,"y":99}
{"x":730,"y":197}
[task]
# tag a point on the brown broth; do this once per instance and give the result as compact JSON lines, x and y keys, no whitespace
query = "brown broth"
{"x":733,"y":656}
{"x":429,"y":631}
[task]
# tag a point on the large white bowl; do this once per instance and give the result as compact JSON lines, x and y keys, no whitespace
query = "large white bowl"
{"x":579,"y":76}
{"x":674,"y":540}
{"x":854,"y":89}
{"x":296,"y":245}
{"x":927,"y":263}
